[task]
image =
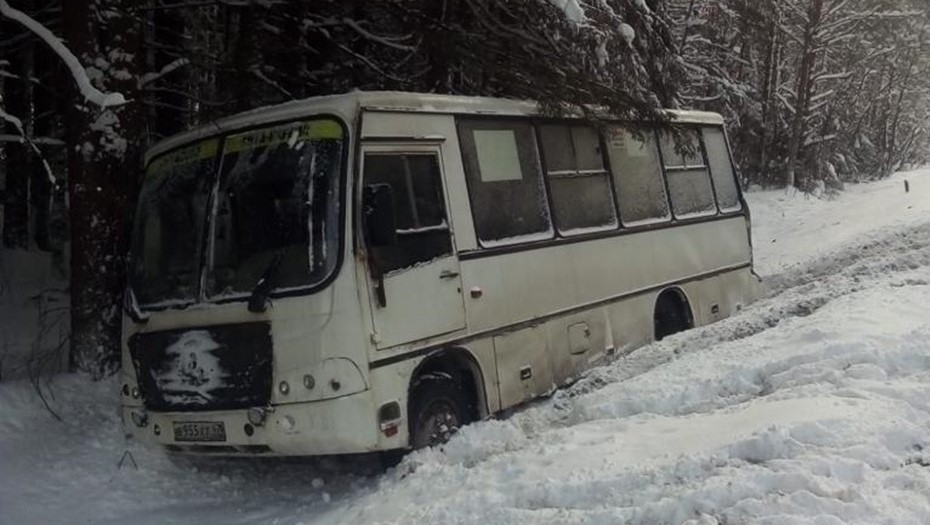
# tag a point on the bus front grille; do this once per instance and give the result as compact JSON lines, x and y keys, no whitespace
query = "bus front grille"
{"x":223,"y":367}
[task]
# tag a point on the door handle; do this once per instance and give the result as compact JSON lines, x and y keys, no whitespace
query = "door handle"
{"x":448,"y":274}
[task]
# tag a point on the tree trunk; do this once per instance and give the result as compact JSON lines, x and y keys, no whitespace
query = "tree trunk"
{"x":770,"y":81}
{"x":244,"y":58}
{"x":804,"y":89}
{"x":102,"y":165}
{"x":889,"y":155}
{"x":46,"y":111}
{"x":16,"y":98}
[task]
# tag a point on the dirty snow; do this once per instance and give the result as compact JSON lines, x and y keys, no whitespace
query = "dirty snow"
{"x":812,"y":406}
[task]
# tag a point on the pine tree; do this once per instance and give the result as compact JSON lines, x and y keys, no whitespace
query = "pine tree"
{"x":103,"y":160}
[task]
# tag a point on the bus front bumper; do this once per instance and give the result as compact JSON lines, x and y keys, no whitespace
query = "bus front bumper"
{"x":343,"y":425}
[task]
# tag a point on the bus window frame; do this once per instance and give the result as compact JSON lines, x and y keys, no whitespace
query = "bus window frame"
{"x":696,"y":128}
{"x":620,"y":230}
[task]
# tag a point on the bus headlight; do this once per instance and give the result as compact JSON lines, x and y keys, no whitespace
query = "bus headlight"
{"x":284,"y":388}
{"x":139,"y":419}
{"x":257,"y":416}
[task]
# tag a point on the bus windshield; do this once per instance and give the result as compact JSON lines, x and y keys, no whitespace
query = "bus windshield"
{"x":217,"y":216}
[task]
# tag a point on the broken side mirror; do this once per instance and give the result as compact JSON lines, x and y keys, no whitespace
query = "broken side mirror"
{"x":378,"y":215}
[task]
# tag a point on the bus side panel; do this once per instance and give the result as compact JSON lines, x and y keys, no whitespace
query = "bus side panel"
{"x":631,"y":322}
{"x":523,"y":365}
{"x":576,"y":342}
{"x":618,"y":327}
{"x":520,"y":286}
{"x":720,"y":297}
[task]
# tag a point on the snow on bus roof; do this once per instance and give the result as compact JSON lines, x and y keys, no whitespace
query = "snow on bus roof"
{"x":347,"y":105}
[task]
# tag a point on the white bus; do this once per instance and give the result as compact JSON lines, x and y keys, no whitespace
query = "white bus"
{"x":369,"y":271}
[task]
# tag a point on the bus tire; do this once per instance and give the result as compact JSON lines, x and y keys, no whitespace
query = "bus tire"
{"x":438,"y":408}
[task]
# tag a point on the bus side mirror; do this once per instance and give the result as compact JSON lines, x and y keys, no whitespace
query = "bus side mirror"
{"x":378,"y":215}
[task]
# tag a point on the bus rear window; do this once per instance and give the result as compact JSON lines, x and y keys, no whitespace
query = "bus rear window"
{"x":721,"y":169}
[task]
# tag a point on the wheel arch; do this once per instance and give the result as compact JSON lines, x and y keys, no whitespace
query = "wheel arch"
{"x":460,"y":363}
{"x":676,"y":298}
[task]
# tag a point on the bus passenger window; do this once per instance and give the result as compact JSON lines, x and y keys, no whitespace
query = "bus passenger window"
{"x":420,"y":212}
{"x":505,"y":183}
{"x":689,"y":183}
{"x":581,"y":196}
{"x":637,"y":174}
{"x":721,"y":169}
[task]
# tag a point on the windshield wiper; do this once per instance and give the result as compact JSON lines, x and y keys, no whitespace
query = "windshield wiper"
{"x":258,"y":301}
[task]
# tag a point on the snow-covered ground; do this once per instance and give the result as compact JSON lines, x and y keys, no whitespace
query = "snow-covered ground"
{"x":812,"y":406}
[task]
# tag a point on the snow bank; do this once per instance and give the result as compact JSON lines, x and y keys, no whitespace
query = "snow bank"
{"x":812,"y":421}
{"x":792,"y":228}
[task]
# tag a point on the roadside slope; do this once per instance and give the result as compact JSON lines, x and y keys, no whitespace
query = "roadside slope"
{"x":810,"y":406}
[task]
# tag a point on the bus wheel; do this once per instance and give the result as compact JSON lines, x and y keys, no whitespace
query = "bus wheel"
{"x":437,"y":410}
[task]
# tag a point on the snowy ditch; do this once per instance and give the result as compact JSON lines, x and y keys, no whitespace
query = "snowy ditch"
{"x":811,"y":406}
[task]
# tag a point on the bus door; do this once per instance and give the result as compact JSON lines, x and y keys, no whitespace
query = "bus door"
{"x":413,"y":272}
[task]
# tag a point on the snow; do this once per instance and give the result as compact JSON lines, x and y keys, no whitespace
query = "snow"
{"x":572,"y":10}
{"x":526,"y":238}
{"x":641,"y":4}
{"x":811,"y":406}
{"x":627,"y":32}
{"x":89,"y":92}
{"x":791,"y":228}
{"x":18,"y":124}
{"x":647,"y":222}
{"x":569,"y":232}
{"x":442,"y":226}
{"x":148,"y":78}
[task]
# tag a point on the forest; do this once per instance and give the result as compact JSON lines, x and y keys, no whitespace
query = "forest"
{"x":816,"y":93}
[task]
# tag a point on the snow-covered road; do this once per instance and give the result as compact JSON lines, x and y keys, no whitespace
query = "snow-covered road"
{"x":811,"y":406}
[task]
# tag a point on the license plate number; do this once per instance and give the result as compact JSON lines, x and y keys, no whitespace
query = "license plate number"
{"x":199,"y":431}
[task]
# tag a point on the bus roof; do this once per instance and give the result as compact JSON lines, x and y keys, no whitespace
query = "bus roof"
{"x":347,"y":105}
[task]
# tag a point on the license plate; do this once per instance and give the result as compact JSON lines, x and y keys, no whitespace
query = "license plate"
{"x":199,"y":431}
